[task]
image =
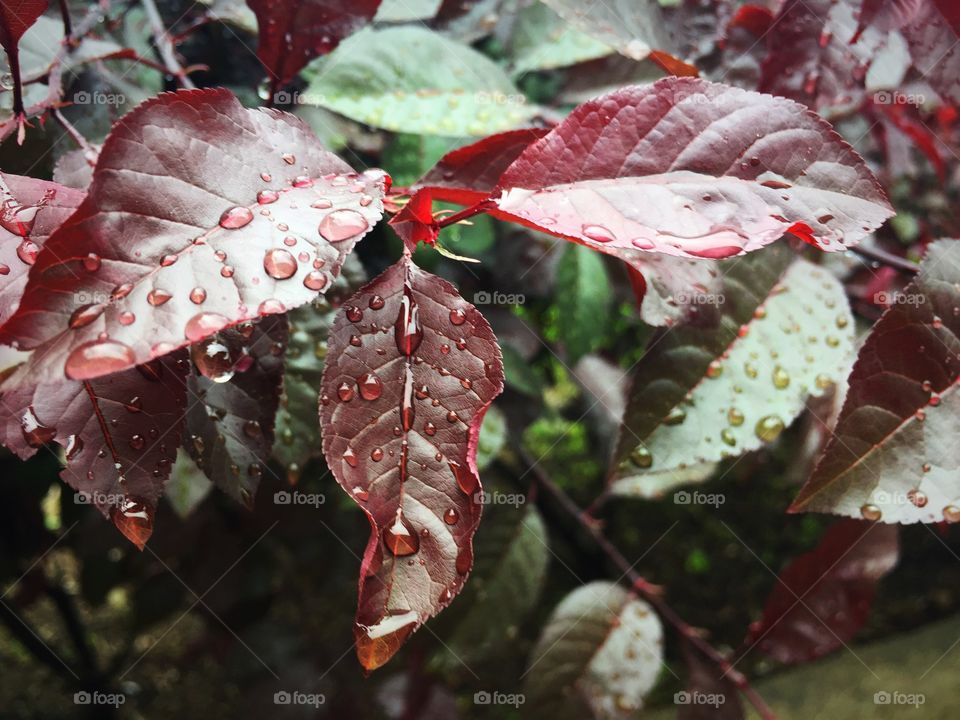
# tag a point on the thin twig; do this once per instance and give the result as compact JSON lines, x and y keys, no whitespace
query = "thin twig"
{"x":480,"y":207}
{"x":885,"y":258}
{"x":165,"y":45}
{"x":651,"y":593}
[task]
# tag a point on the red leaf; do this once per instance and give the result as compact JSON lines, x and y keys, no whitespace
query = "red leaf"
{"x":756,"y":19}
{"x":893,"y":454}
{"x":932,"y":36}
{"x":30,"y":210}
{"x":469,"y":174}
{"x":120,"y":435}
{"x":411,"y":369}
{"x":692,"y":168}
{"x":225,"y":214}
{"x":415,"y":222}
{"x":234,"y":389}
{"x":823,"y":597}
{"x":293,"y":32}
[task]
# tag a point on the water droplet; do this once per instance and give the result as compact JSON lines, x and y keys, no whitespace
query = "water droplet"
{"x":137,"y":442}
{"x":452,"y":417}
{"x":322,"y":204}
{"x":134,"y":519}
{"x":288,"y":158}
{"x":271,"y":307}
{"x":781,"y":378}
{"x":342,"y":225}
{"x":714,"y":369}
{"x":98,"y":357}
{"x":464,"y":560}
{"x":735,"y":417}
{"x":370,"y":386}
{"x":642,"y":458}
{"x":265,"y":197}
{"x":399,"y":538}
{"x":203,"y":325}
{"x":466,"y":480}
{"x":74,"y":446}
{"x":430,"y":429}
{"x":236,"y":217}
{"x":27,"y":251}
{"x":84,"y":315}
{"x":597,"y":233}
{"x":198,"y":295}
{"x":451,"y":516}
{"x":91,"y":263}
{"x":354,"y":314}
{"x":279,"y":264}
{"x":918,"y":497}
{"x":951,"y":513}
{"x":407,"y":331}
{"x":157,"y":297}
{"x":35,"y":433}
{"x":126,"y":318}
{"x":376,"y":454}
{"x":361,"y":495}
{"x":345,"y":392}
{"x":768,"y":428}
{"x":458,"y":316}
{"x":212,"y":359}
{"x":870,"y":512}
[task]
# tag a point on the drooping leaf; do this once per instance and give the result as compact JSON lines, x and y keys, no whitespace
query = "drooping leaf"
{"x":692,"y":168}
{"x":226,"y":214}
{"x":411,"y":370}
{"x":584,"y":300}
{"x":598,"y":656}
{"x":511,"y":564}
{"x":412,"y":80}
{"x":817,"y":56}
{"x":822,"y":598}
{"x":297,"y":431}
{"x":893,"y":454}
{"x":740,"y":371}
{"x":234,"y":390}
{"x":469,"y":174}
{"x":933,"y":34}
{"x":30,"y":210}
{"x":294,"y":32}
{"x":120,"y":435}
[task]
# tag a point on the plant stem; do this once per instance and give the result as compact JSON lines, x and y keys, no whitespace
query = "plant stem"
{"x":65,"y":15}
{"x":885,"y":258}
{"x":650,"y":592}
{"x":480,"y":207}
{"x":165,"y":45}
{"x":74,"y":134}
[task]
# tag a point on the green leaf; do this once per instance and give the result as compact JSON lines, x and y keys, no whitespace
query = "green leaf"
{"x":493,"y":436}
{"x":543,"y":41}
{"x":413,"y":80}
{"x":779,"y":331}
{"x":584,"y":297}
{"x":187,"y":486}
{"x":297,"y":425}
{"x":894,"y":454}
{"x":410,"y":156}
{"x":598,"y":656}
{"x":406,"y":10}
{"x":511,"y":558}
{"x":518,"y":373}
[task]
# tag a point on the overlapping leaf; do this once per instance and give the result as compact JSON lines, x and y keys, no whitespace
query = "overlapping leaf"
{"x":30,"y":210}
{"x":293,"y":32}
{"x":412,"y":80}
{"x":411,"y":369}
{"x":823,"y":598}
{"x":120,"y":435}
{"x":668,"y":288}
{"x":738,"y":372}
{"x":225,"y":214}
{"x":691,"y":168}
{"x":893,"y":454}
{"x":234,"y":391}
{"x":598,"y":656}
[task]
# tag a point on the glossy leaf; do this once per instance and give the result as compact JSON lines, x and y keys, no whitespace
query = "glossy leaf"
{"x":411,"y":370}
{"x":294,"y":32}
{"x":120,"y":435}
{"x":234,"y":388}
{"x":297,"y":431}
{"x":469,"y":174}
{"x":598,"y":656}
{"x":822,"y":598}
{"x":584,"y":300}
{"x":227,"y":214}
{"x":30,"y":210}
{"x":739,"y":372}
{"x":412,"y":80}
{"x":893,"y":454}
{"x":691,"y":168}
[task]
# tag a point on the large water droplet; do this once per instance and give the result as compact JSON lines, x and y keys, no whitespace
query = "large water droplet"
{"x":157,"y":297}
{"x":315,"y":280}
{"x":236,"y":217}
{"x":279,"y":264}
{"x":407,"y":330}
{"x":399,"y":538}
{"x":466,"y":480}
{"x":27,"y":251}
{"x":203,"y":325}
{"x":98,"y":357}
{"x":870,"y":512}
{"x":212,"y":359}
{"x":342,"y":225}
{"x":370,"y":386}
{"x":768,"y":428}
{"x":598,"y":233}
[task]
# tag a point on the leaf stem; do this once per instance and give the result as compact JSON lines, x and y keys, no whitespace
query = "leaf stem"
{"x":479,"y":208}
{"x":650,"y":592}
{"x":65,"y":15}
{"x":75,"y":135}
{"x":885,"y":258}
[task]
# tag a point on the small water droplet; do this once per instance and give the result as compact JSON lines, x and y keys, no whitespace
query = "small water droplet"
{"x":84,"y":315}
{"x":266,"y":197}
{"x":198,"y":295}
{"x":212,"y":359}
{"x":279,"y":264}
{"x":870,"y":512}
{"x":781,"y":378}
{"x":91,"y":263}
{"x":768,"y":428}
{"x":399,"y":538}
{"x":236,"y":217}
{"x":642,"y":458}
{"x":203,"y":325}
{"x":345,"y":392}
{"x":597,"y":233}
{"x":370,"y":386}
{"x":458,"y":316}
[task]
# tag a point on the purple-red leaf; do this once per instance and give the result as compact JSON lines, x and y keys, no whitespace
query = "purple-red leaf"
{"x":893,"y":454}
{"x":234,"y":389}
{"x":692,"y":168}
{"x":469,"y":174}
{"x":201,"y":215}
{"x":415,"y":222}
{"x":411,"y":369}
{"x":119,"y":433}
{"x":823,"y":597}
{"x":293,"y":32}
{"x":30,"y":210}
